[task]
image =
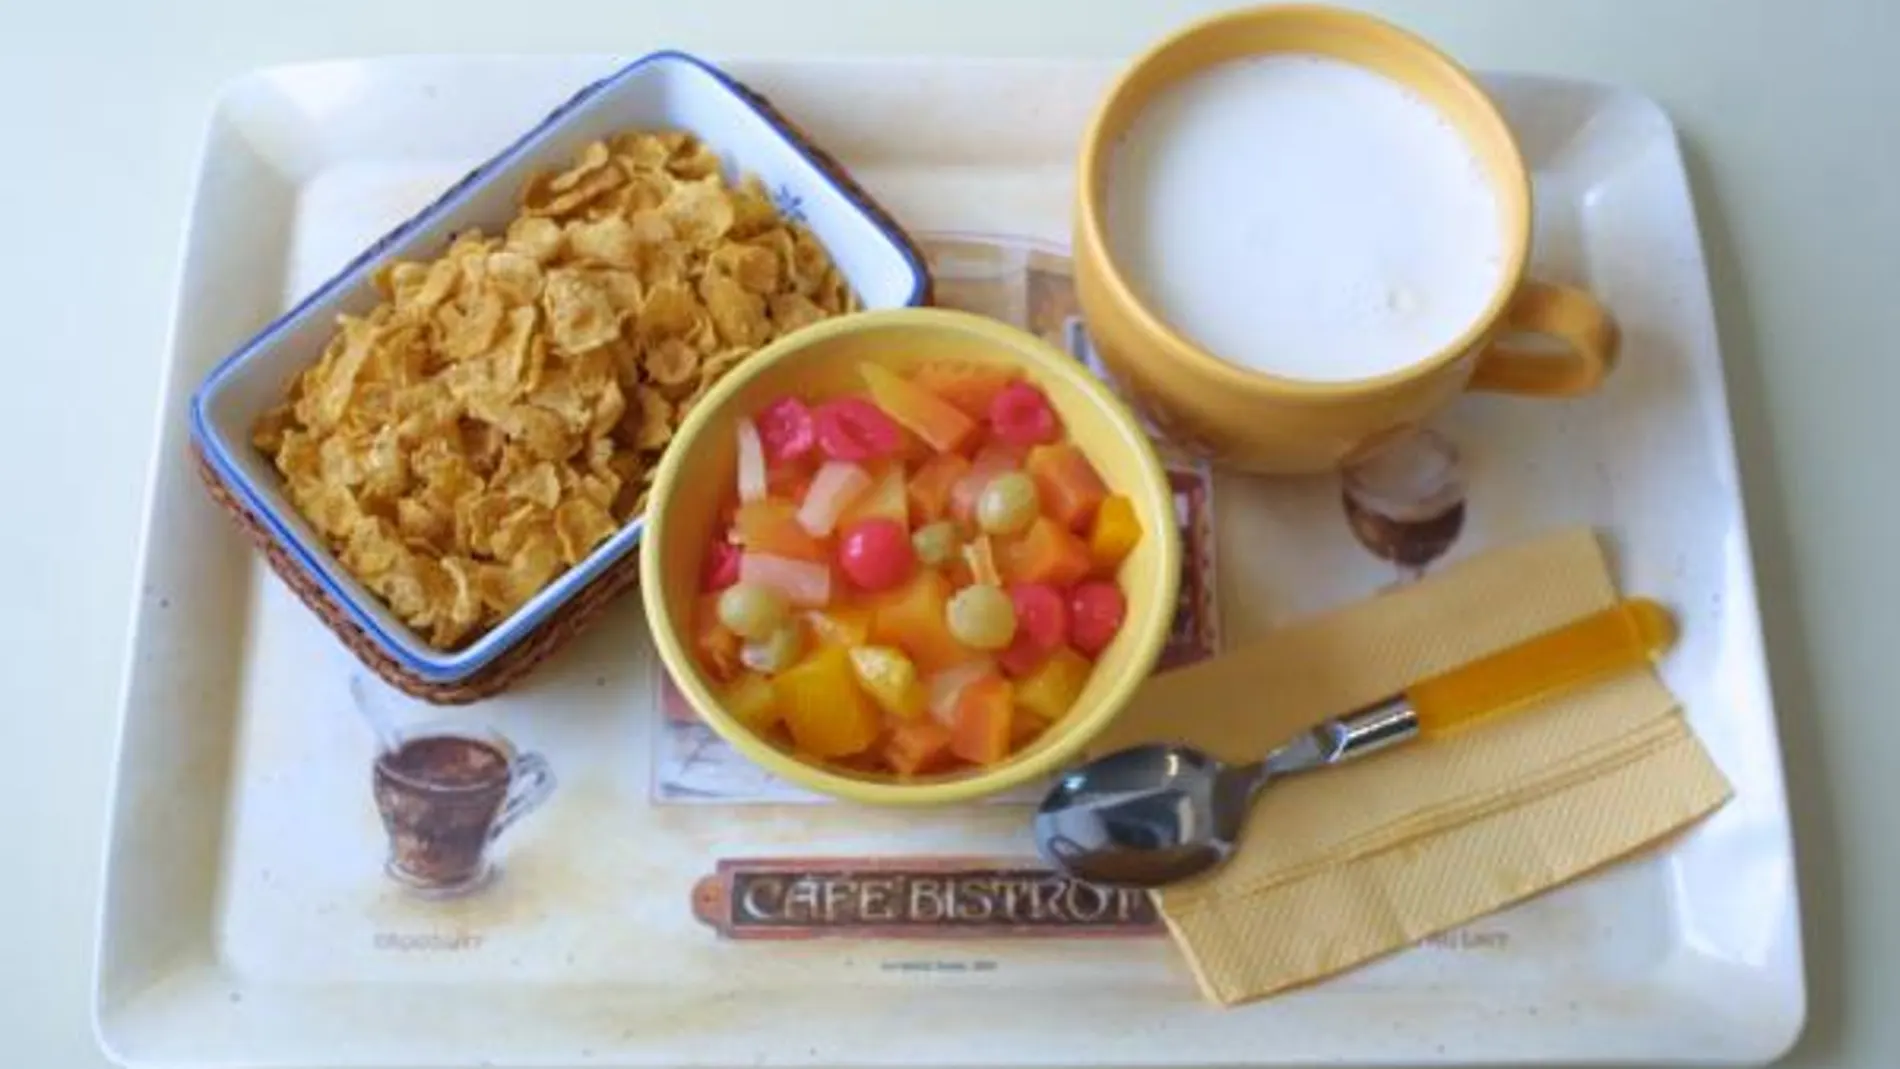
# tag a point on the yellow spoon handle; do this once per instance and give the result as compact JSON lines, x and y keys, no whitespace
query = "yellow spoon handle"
{"x":1630,"y":633}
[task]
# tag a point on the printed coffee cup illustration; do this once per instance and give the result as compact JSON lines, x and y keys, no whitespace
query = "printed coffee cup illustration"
{"x":1406,"y":503}
{"x":445,"y":795}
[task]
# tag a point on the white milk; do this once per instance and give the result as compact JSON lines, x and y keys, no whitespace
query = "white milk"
{"x":1304,"y":217}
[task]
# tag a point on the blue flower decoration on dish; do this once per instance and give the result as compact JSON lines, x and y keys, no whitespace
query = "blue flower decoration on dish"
{"x":789,"y":204}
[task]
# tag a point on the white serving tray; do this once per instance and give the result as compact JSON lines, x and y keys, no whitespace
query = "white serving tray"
{"x":247,"y":918}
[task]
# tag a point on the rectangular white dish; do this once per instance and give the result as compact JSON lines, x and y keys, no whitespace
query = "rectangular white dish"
{"x":247,"y":919}
{"x":665,"y":90}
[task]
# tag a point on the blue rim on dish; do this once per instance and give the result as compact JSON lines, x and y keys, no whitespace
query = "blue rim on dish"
{"x":457,"y":665}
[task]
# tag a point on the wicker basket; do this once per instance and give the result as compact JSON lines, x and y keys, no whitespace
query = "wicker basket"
{"x":574,"y":615}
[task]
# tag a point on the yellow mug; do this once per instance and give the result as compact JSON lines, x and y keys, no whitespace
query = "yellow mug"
{"x":1266,"y":423}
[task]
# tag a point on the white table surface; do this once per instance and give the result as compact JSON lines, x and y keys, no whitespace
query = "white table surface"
{"x":1786,"y":112}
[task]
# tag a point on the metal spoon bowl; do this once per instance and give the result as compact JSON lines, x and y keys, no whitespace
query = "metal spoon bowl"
{"x":1155,"y":815}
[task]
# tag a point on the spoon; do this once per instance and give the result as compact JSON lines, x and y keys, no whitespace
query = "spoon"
{"x":1158,"y":814}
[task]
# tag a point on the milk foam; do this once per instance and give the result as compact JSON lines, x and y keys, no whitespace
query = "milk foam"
{"x":1304,"y":217}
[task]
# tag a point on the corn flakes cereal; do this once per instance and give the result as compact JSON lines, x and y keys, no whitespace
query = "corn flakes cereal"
{"x":499,"y":414}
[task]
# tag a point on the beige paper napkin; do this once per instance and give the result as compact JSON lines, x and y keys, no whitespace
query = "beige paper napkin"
{"x":1357,"y":861}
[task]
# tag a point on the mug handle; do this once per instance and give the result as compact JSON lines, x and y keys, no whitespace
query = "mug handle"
{"x":1566,"y":314}
{"x":530,"y":781}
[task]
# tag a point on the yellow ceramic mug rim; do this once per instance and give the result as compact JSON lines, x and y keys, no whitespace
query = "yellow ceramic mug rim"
{"x":1147,"y":634}
{"x":1097,"y":143}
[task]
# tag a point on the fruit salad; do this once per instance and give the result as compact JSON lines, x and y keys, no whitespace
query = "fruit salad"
{"x":912,"y":579}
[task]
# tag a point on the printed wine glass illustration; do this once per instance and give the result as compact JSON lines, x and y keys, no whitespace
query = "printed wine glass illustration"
{"x":1406,"y":503}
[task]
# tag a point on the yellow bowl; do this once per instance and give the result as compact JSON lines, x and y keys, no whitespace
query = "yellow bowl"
{"x":1267,"y":423}
{"x":697,"y":475}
